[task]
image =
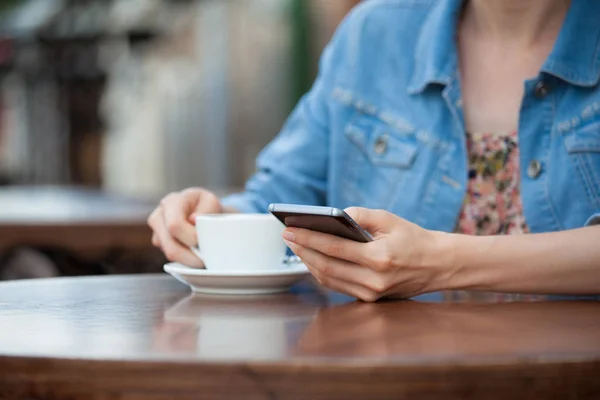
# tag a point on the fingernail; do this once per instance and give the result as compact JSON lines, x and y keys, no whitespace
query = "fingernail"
{"x":289,"y":236}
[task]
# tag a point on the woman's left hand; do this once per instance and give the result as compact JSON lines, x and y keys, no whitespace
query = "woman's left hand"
{"x":399,"y":262}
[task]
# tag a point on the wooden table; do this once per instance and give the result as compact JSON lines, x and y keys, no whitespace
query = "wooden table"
{"x":146,"y":337}
{"x":77,"y":220}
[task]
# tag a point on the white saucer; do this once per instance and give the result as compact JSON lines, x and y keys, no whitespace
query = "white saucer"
{"x":238,"y":282}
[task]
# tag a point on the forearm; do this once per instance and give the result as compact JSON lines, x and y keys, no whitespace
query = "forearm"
{"x":565,"y":262}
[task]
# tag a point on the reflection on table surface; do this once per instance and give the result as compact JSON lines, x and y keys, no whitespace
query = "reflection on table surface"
{"x":455,"y":331}
{"x":287,"y":326}
{"x":154,"y":317}
{"x":255,"y":327}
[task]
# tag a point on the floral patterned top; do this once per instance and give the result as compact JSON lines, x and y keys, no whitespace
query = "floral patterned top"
{"x":493,"y":202}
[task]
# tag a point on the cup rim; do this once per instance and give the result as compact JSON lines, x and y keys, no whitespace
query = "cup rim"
{"x":236,"y":217}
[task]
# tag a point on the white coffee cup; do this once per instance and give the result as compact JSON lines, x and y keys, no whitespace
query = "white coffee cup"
{"x":240,"y":242}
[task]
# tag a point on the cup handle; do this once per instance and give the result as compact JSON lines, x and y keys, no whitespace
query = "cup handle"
{"x":196,"y":252}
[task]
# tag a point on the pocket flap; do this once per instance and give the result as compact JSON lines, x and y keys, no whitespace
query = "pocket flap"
{"x":381,"y":144}
{"x":586,"y":139}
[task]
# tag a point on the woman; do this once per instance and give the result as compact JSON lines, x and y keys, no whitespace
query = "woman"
{"x":475,"y":124}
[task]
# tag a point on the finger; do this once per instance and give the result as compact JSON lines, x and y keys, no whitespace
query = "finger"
{"x":153,"y":217}
{"x":176,"y":208}
{"x":330,"y":245}
{"x":373,"y":221}
{"x":174,"y":250}
{"x":334,"y":268}
{"x":344,"y":287}
{"x":152,"y":220}
{"x":202,"y":201}
{"x":205,"y":203}
{"x":155,"y":241}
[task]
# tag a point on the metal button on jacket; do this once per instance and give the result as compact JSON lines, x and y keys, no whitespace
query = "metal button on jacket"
{"x":541,"y":90}
{"x":381,"y":144}
{"x":534,"y":170}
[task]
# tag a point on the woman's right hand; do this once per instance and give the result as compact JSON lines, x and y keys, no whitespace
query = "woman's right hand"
{"x":173,"y":223}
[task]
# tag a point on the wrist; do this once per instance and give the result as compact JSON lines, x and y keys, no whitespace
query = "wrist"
{"x":445,"y":255}
{"x":467,"y":260}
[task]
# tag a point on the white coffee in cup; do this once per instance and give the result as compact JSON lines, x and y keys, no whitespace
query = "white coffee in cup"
{"x":240,"y":242}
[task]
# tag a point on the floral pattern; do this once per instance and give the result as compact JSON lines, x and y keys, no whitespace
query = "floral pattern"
{"x":493,"y":202}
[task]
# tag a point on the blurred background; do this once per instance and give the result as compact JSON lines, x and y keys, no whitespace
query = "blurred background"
{"x":107,"y":105}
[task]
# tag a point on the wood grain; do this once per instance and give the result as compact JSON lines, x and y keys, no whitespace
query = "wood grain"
{"x":145,"y":336}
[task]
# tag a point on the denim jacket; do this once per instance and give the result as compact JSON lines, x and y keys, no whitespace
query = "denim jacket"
{"x":383,"y":126}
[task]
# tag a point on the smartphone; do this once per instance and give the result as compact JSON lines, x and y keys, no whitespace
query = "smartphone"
{"x":321,"y":219}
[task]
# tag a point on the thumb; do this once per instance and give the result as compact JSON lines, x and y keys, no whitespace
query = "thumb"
{"x":373,"y":221}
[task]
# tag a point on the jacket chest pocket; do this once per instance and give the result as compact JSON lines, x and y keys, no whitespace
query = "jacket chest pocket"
{"x":583,"y":146}
{"x":377,"y":162}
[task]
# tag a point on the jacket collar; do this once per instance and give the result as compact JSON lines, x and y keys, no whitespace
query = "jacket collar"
{"x":575,"y":57}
